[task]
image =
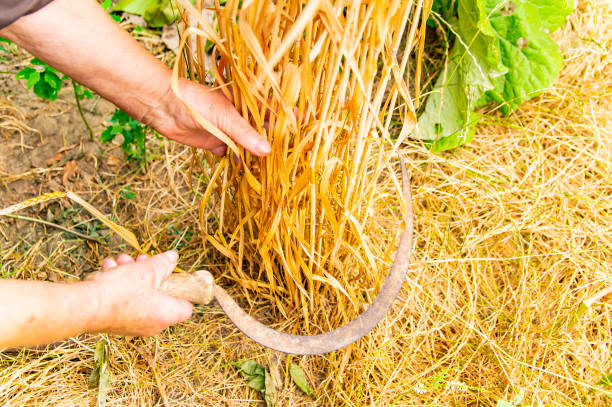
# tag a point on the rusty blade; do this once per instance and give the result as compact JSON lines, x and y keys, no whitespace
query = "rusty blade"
{"x":347,"y":334}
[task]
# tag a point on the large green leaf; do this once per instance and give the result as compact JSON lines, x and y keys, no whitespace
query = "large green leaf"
{"x":156,"y":13}
{"x":134,"y":6}
{"x":532,"y":58}
{"x":160,"y":14}
{"x":473,"y":66}
{"x":502,"y":53}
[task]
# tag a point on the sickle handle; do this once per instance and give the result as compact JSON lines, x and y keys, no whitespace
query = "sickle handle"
{"x":196,"y":287}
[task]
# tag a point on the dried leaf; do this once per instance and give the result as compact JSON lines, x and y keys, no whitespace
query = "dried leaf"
{"x":113,"y":161}
{"x":66,"y":148}
{"x":53,"y":160}
{"x":120,"y":230}
{"x":70,"y":169}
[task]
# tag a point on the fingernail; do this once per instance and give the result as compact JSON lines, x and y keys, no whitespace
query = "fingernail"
{"x":171,"y":255}
{"x":263,"y":147}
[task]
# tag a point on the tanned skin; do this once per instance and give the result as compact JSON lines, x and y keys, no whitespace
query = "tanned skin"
{"x":80,"y":39}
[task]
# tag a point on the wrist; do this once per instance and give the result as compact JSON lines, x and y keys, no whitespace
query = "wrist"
{"x":96,"y":313}
{"x":151,"y":99}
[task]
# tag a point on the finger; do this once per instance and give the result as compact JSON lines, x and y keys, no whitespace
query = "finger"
{"x":162,"y":265}
{"x":142,"y":257}
{"x":239,"y":130}
{"x":124,"y":259}
{"x":108,"y":263}
{"x":173,"y":310}
{"x":219,"y":151}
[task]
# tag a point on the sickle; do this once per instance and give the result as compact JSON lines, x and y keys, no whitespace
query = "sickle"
{"x":199,"y":287}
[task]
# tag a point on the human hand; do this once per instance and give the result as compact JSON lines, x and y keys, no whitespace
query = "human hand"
{"x":130,"y":302}
{"x":172,"y":119}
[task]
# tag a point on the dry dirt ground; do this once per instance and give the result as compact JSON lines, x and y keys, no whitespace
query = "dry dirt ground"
{"x":509,"y":292}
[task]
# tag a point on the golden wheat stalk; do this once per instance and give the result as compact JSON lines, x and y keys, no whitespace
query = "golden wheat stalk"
{"x":325,"y":82}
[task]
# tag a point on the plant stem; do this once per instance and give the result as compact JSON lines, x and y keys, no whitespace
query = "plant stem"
{"x":78,"y":103}
{"x":53,"y":225}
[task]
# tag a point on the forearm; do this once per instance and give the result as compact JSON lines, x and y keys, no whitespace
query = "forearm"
{"x":36,"y":312}
{"x":80,"y":39}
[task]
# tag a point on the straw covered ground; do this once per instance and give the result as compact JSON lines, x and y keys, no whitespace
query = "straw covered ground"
{"x":508,"y":294}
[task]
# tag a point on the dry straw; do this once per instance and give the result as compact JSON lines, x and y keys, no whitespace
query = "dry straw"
{"x":324,"y":83}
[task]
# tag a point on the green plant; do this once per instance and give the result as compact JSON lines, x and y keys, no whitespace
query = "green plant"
{"x":4,"y":48}
{"x":156,"y":13}
{"x":134,"y":135}
{"x":42,"y":79}
{"x":502,"y":55}
{"x":46,"y":82}
{"x":127,"y":192}
{"x":106,"y":5}
{"x":258,"y":379}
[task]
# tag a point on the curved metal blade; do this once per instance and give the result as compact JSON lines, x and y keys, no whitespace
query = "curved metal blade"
{"x":345,"y":335}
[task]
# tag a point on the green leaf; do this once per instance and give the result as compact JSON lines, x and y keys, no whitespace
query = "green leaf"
{"x":106,"y":4}
{"x":127,"y":192}
{"x":519,"y":397}
{"x":94,"y":377}
{"x":25,"y":73}
{"x":270,"y":390}
{"x":502,"y":53}
{"x":160,"y":14}
{"x":103,"y":387}
{"x":299,"y":378}
{"x":137,"y":7}
{"x":533,"y":59}
{"x":258,"y":379}
{"x":33,"y":79}
{"x":606,"y":381}
{"x":52,"y":80}
{"x":437,"y":381}
{"x":156,"y":13}
{"x":133,"y":132}
{"x":48,"y":68}
{"x":473,"y":65}
{"x":504,"y":403}
{"x":100,"y":376}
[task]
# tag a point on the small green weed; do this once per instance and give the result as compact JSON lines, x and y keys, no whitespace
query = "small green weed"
{"x":258,"y":379}
{"x":46,"y":82}
{"x":127,"y":192}
{"x":42,"y":79}
{"x":5,"y":48}
{"x":134,"y":135}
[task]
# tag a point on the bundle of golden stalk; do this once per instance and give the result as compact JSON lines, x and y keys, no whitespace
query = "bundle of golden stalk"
{"x":325,"y":82}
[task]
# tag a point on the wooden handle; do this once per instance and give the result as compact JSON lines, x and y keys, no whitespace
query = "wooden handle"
{"x":196,"y":287}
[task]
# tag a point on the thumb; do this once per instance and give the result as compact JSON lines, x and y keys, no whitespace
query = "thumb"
{"x":173,"y":310}
{"x":162,"y":265}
